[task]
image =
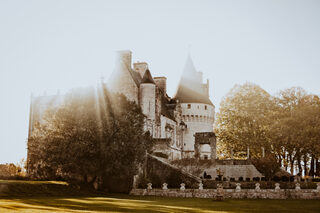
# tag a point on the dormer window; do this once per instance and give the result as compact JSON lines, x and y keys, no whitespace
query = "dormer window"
{"x":189,"y":106}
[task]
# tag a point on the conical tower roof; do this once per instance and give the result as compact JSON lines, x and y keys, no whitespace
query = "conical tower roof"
{"x":190,"y":88}
{"x":147,"y":78}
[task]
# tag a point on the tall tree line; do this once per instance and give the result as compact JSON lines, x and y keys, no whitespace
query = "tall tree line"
{"x":285,"y":126}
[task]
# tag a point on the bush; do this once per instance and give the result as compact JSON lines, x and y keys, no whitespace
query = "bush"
{"x":276,"y":178}
{"x":256,"y":179}
{"x":285,"y":179}
{"x":317,"y":179}
{"x":268,"y":166}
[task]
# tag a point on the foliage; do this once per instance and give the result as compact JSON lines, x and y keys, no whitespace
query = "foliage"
{"x":241,"y":121}
{"x":94,"y":133}
{"x":268,"y":165}
{"x":10,"y":170}
{"x":286,"y":125}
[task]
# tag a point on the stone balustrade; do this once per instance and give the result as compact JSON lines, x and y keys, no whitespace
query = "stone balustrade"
{"x":237,"y":193}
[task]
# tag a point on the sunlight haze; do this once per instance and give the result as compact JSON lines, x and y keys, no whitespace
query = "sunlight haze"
{"x":46,"y":46}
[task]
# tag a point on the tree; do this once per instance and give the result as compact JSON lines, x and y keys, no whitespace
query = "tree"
{"x":286,"y":125}
{"x":241,"y":122}
{"x":94,"y":133}
{"x":295,"y":130}
{"x":267,"y":165}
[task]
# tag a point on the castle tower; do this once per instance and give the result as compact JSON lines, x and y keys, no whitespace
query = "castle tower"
{"x":147,"y":98}
{"x":140,"y":67}
{"x":122,"y":80}
{"x":161,"y":82}
{"x":197,"y":109}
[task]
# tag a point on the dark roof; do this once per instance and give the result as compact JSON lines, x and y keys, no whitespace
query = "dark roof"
{"x":135,"y":76}
{"x":190,"y":89}
{"x":167,"y":108}
{"x":188,"y":95}
{"x":147,"y":78}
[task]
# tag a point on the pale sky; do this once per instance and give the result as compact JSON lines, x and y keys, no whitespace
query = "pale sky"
{"x":50,"y":45}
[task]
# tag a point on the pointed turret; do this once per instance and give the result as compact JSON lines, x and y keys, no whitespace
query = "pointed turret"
{"x":191,"y":89}
{"x":148,"y":96}
{"x":147,"y":78}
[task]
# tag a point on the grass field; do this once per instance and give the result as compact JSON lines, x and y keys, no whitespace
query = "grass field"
{"x":46,"y":199}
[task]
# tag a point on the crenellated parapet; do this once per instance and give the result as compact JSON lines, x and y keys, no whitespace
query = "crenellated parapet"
{"x":198,"y":118}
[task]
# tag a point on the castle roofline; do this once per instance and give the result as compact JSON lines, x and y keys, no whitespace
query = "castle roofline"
{"x":147,"y":78}
{"x":190,"y":88}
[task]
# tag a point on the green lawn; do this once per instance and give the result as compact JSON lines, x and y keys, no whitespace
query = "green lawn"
{"x":125,"y":203}
{"x":26,"y":196}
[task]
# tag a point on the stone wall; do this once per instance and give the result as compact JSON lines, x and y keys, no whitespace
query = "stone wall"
{"x":198,"y":118}
{"x":203,"y":139}
{"x":158,"y":171}
{"x":121,"y":80}
{"x":232,"y":193}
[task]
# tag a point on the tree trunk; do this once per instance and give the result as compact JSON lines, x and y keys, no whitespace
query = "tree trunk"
{"x":299,"y":165}
{"x":305,"y":167}
{"x":279,"y":160}
{"x":286,"y":163}
{"x":311,"y":173}
{"x":291,"y":164}
{"x":317,"y":167}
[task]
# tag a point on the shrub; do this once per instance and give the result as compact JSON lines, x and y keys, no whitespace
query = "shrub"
{"x":256,"y":179}
{"x":285,"y":179}
{"x":268,"y":165}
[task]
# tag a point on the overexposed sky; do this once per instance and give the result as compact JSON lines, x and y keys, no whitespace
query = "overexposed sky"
{"x":61,"y":44}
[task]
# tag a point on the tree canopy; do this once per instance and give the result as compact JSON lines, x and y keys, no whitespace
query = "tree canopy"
{"x":94,"y":132}
{"x":286,"y":125}
{"x":241,"y":122}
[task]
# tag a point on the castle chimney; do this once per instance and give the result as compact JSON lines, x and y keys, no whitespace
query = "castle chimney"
{"x":140,"y":67}
{"x":161,"y":82}
{"x":124,"y":58}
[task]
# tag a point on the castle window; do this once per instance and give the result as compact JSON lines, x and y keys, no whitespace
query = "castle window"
{"x":189,"y":106}
{"x":205,"y":107}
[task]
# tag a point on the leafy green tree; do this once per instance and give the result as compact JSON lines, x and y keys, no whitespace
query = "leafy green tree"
{"x":295,"y":131}
{"x":242,"y":123}
{"x":94,"y":133}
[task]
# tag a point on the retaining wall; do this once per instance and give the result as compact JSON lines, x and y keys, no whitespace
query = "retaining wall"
{"x":231,"y":193}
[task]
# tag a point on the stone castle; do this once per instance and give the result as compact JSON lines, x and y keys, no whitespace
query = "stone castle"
{"x":182,"y":126}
